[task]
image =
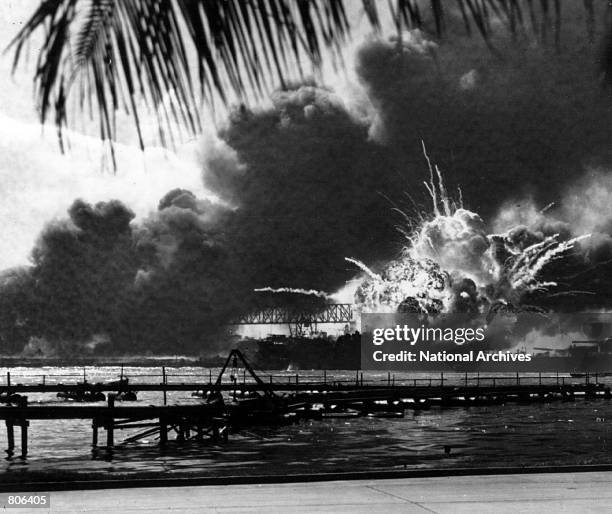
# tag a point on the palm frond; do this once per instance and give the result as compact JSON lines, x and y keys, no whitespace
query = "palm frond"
{"x":169,"y":55}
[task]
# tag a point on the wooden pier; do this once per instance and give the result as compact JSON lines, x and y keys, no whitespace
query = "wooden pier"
{"x":202,"y":420}
{"x":259,"y":402}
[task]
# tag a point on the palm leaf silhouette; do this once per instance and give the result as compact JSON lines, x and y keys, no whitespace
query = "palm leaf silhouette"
{"x":167,"y":56}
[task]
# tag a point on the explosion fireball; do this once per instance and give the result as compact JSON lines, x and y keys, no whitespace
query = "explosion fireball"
{"x":450,"y":264}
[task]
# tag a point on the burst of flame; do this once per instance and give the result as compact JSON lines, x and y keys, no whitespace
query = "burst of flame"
{"x":449,"y":260}
{"x":424,"y":277}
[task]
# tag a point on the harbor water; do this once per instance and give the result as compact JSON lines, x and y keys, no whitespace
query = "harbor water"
{"x":536,"y":434}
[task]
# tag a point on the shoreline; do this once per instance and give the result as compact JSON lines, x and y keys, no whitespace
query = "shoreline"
{"x":125,"y":480}
{"x":111,"y":361}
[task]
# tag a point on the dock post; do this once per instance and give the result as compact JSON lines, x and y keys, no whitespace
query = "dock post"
{"x":24,"y":423}
{"x":8,"y":383}
{"x":466,"y":379}
{"x":442,"y":379}
{"x":389,"y":378}
{"x":110,"y":426}
{"x":164,"y":383}
{"x":110,"y":442}
{"x":357,"y":378}
{"x":540,"y":378}
{"x":10,"y":436}
{"x":163,"y":431}
{"x":24,"y":438}
{"x":209,"y":376}
{"x":94,"y":437}
{"x":324,"y":377}
{"x":361,"y":378}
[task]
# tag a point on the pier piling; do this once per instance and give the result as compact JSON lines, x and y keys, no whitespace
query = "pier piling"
{"x":110,"y":422}
{"x":164,"y":383}
{"x":94,"y":436}
{"x":163,"y":431}
{"x":10,"y":436}
{"x":24,"y":438}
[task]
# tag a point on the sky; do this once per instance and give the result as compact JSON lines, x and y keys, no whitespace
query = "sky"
{"x":38,"y":183}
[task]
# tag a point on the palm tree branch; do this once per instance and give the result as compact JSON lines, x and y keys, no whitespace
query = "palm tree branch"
{"x":139,"y":54}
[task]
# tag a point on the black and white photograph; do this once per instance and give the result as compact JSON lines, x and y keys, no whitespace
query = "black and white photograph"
{"x":284,"y":256}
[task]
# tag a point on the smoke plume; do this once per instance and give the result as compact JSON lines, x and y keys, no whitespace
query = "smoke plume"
{"x":304,"y":183}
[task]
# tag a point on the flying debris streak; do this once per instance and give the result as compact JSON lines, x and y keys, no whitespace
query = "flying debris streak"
{"x":363,"y":268}
{"x":293,"y":290}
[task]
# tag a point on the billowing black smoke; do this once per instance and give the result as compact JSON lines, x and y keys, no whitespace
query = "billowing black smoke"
{"x":308,"y":192}
{"x":526,"y":124}
{"x":304,"y":183}
{"x":83,"y":270}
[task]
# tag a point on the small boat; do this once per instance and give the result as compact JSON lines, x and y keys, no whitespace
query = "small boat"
{"x":126,"y":396}
{"x":124,"y":392}
{"x":82,"y":396}
{"x":11,"y":398}
{"x":84,"y":392}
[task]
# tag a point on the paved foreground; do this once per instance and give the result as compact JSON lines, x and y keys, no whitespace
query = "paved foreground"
{"x":544,"y":492}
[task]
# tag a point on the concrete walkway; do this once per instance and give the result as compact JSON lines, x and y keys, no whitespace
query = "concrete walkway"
{"x":545,"y":492}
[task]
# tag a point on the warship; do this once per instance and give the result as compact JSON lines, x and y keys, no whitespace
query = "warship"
{"x":281,"y":352}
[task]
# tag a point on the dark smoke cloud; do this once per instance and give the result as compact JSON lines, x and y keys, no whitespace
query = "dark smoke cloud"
{"x":83,"y":269}
{"x":528,"y":122}
{"x":161,"y":285}
{"x":303,"y":184}
{"x":16,"y":285}
{"x":307,"y":191}
{"x":185,"y":288}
